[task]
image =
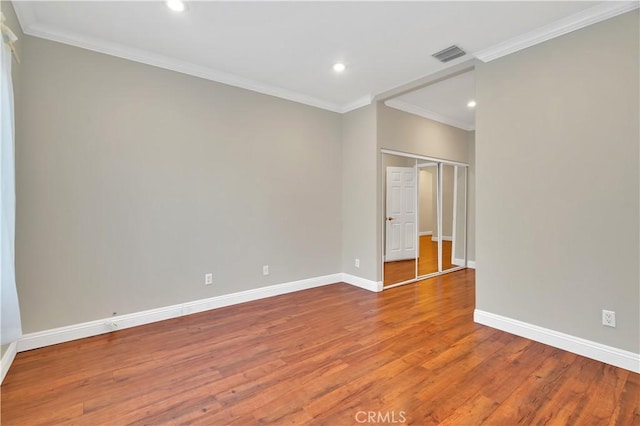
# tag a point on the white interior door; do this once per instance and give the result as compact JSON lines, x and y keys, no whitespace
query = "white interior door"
{"x":401,"y":214}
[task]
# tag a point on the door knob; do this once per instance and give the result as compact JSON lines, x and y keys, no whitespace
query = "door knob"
{"x":391,"y":218}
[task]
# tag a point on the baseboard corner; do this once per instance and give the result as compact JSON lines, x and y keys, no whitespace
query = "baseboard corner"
{"x":7,"y":360}
{"x":375,"y":286}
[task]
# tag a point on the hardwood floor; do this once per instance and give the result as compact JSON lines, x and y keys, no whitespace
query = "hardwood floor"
{"x":428,"y":260}
{"x":333,"y":355}
{"x":404,"y":270}
{"x":399,"y":271}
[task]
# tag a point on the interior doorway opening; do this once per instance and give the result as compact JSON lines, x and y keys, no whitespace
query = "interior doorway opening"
{"x":425,"y":217}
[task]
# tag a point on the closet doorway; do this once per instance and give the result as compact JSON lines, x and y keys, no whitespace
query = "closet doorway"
{"x":424,"y":217}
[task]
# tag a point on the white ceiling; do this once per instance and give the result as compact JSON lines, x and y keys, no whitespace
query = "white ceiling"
{"x":287,"y":49}
{"x":445,"y":101}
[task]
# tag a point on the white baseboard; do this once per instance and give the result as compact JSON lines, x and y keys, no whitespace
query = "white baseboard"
{"x":362,"y":282}
{"x":258,"y":293}
{"x":460,"y":262}
{"x":425,"y":233}
{"x":444,"y":238}
{"x":608,"y":354}
{"x":7,"y":360}
{"x":93,"y":328}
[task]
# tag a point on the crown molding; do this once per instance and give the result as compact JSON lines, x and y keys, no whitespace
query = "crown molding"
{"x":425,"y":113}
{"x":358,"y":103}
{"x":560,"y":27}
{"x":30,"y":26}
{"x":184,"y":67}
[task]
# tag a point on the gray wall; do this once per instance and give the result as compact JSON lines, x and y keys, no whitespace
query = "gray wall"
{"x":401,"y":131}
{"x":557,"y":129}
{"x":360,"y":189}
{"x":133,"y":182}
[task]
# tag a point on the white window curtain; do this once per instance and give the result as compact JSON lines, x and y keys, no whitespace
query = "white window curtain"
{"x":10,"y":325}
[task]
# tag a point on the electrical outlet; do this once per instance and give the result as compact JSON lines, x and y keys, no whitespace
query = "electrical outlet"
{"x":608,"y":318}
{"x":208,"y":279}
{"x":265,"y":270}
{"x":357,"y":263}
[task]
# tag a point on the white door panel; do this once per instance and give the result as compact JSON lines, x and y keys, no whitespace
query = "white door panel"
{"x":401,"y":213}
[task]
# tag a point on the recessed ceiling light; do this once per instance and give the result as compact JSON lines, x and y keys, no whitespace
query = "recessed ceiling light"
{"x":176,"y":5}
{"x":471,"y":104}
{"x":339,"y":67}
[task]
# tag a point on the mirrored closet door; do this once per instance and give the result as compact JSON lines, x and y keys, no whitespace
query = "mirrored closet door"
{"x":427,"y":218}
{"x":424,"y":211}
{"x":400,"y":192}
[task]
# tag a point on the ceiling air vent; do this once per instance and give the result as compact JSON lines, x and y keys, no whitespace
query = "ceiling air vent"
{"x":449,"y":54}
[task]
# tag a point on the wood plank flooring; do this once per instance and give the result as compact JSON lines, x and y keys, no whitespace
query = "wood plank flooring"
{"x":404,"y":270}
{"x":334,"y":355}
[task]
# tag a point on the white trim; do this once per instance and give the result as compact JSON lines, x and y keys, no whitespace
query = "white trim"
{"x":422,"y":234}
{"x":411,"y":281}
{"x":30,"y":26}
{"x":444,"y":238}
{"x":440,"y":235}
{"x":358,"y":103}
{"x":416,"y":243}
{"x":362,"y":282}
{"x":466,"y":215}
{"x":455,"y":207}
{"x":7,"y":360}
{"x":425,"y":113}
{"x":460,"y":262}
{"x":608,"y":354}
{"x":447,"y":72}
{"x":420,"y":157}
{"x":382,"y":210}
{"x":452,"y":269}
{"x":93,"y":328}
{"x":423,"y":277}
{"x":423,"y":165}
{"x":258,"y":293}
{"x":592,"y":15}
